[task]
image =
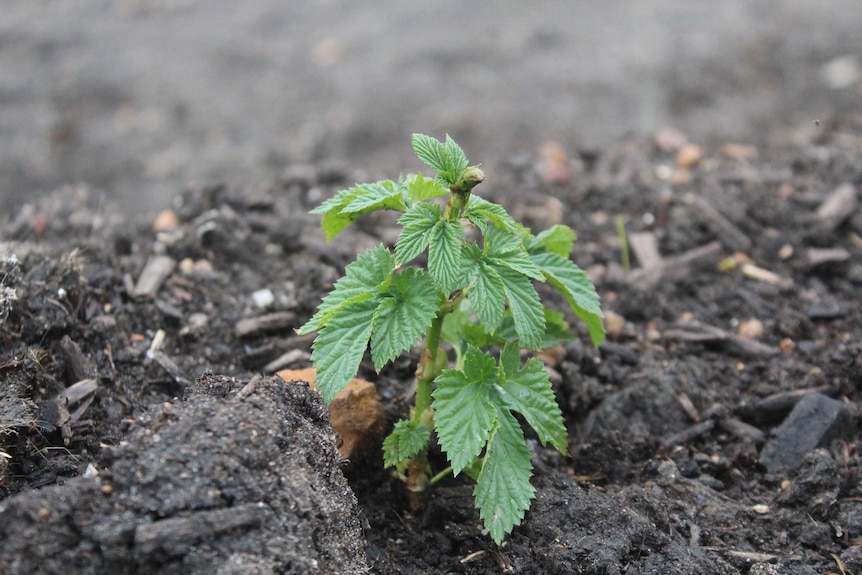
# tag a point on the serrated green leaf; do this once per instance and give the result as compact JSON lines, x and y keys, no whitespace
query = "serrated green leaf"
{"x":340,"y":345}
{"x":418,"y":223}
{"x":384,"y":195}
{"x":479,"y":211}
{"x":372,"y":268}
{"x":463,"y":413}
{"x":420,"y":188}
{"x":444,"y":255}
{"x":457,"y":157}
{"x":407,"y":309}
{"x":348,"y":205}
{"x":506,"y":249}
{"x":557,"y":239}
{"x":406,"y":440}
{"x":448,"y":159}
{"x":431,"y":151}
{"x":576,"y":287}
{"x":487,"y":296}
{"x":556,"y":330}
{"x":503,"y":491}
{"x":528,"y":391}
{"x":527,"y":310}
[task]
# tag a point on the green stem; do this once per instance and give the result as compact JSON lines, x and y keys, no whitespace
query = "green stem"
{"x":428,"y":369}
{"x":440,"y":475}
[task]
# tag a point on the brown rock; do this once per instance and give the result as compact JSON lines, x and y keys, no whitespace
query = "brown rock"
{"x":688,"y":156}
{"x":356,"y":414}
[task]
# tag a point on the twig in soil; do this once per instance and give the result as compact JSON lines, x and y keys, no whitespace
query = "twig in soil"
{"x":180,"y":532}
{"x":688,"y":433}
{"x":278,"y":321}
{"x":674,"y":268}
{"x":779,"y":404}
{"x":742,"y":430}
{"x":695,"y":331}
{"x":728,"y":234}
{"x":286,"y":359}
{"x":249,"y":388}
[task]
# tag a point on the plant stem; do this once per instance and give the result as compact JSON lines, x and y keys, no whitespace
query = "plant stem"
{"x":440,"y":475}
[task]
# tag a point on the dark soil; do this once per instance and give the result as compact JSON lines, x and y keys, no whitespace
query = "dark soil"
{"x":715,"y":433}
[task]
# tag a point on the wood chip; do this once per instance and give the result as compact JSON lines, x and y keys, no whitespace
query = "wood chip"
{"x":765,"y":276}
{"x":838,"y":206}
{"x":644,"y":245}
{"x":821,"y":257}
{"x":78,"y":365}
{"x":156,"y":271}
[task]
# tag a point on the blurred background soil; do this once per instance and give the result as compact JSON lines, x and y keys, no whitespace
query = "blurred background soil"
{"x":139,"y":97}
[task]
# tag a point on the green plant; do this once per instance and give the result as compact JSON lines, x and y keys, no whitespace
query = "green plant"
{"x":472,"y":294}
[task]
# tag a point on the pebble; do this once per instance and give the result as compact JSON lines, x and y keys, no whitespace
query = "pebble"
{"x":166,"y":220}
{"x":614,"y":324}
{"x":263,"y":298}
{"x":689,"y":155}
{"x":751,"y":329}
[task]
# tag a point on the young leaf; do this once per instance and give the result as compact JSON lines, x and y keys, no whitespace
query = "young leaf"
{"x":503,"y":491}
{"x":528,"y":391}
{"x":379,"y":196}
{"x":573,"y":283}
{"x":340,"y":345}
{"x":417,"y":222}
{"x":404,"y":314}
{"x":463,"y":413}
{"x":371,"y":269}
{"x":406,"y":440}
{"x":556,"y":239}
{"x":420,"y":188}
{"x":444,"y":255}
{"x":526,"y":307}
{"x":347,"y":205}
{"x":448,"y":159}
{"x":479,"y":211}
{"x":457,"y":157}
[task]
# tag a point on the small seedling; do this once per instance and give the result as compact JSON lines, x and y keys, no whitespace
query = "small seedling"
{"x":475,"y":295}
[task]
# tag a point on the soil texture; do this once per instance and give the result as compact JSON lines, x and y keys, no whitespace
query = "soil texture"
{"x":716,"y":431}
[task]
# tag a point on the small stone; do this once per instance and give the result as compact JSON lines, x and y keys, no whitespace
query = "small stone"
{"x":355,"y":412}
{"x":785,"y":252}
{"x":751,"y":329}
{"x":689,"y":155}
{"x":787,"y":345}
{"x":736,"y":151}
{"x":166,"y":220}
{"x":669,"y":139}
{"x":263,"y":298}
{"x":555,"y":164}
{"x":614,"y":324}
{"x":814,"y":422}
